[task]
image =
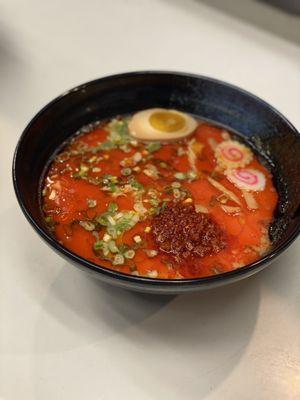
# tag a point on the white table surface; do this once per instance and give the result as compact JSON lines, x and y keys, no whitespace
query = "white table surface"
{"x":64,"y":335}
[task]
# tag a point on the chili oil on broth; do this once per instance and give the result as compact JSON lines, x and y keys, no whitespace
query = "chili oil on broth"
{"x":105,"y":192}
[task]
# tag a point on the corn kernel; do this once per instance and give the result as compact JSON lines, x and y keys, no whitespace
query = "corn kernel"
{"x":152,"y":274}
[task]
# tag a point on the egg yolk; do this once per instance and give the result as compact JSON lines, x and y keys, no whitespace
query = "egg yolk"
{"x":167,"y":121}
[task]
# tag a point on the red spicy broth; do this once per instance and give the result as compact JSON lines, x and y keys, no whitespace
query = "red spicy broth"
{"x":195,"y":207}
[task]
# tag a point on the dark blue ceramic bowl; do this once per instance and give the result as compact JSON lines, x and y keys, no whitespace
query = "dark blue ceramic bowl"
{"x":274,"y":138}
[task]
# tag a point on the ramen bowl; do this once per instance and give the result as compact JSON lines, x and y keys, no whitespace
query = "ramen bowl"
{"x":271,"y":135}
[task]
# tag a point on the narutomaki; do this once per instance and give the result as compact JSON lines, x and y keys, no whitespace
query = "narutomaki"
{"x":196,"y":205}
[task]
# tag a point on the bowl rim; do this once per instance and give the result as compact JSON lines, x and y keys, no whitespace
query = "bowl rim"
{"x":120,"y":276}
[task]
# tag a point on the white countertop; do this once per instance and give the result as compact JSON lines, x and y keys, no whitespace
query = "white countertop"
{"x":64,"y":335}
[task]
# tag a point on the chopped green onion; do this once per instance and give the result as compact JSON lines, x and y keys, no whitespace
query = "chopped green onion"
{"x":104,"y":146}
{"x":126,"y":171}
{"x":176,"y":193}
{"x":153,"y":146}
{"x":111,"y":220}
{"x":113,"y":207}
{"x":99,"y":245}
{"x":164,"y":206}
{"x":125,"y":223}
{"x":118,"y":259}
{"x":91,"y":203}
{"x":137,"y":239}
{"x":135,"y":184}
{"x":87,"y":225}
{"x":84,"y":168}
{"x":112,"y":187}
{"x":119,"y":134}
{"x":151,"y":171}
{"x":129,"y":254}
{"x":92,"y":159}
{"x":137,"y":157}
{"x":152,"y":193}
{"x":102,"y":219}
{"x":139,"y":208}
{"x":93,"y":181}
{"x":113,"y":247}
{"x":106,"y":237}
{"x":82,"y":173}
{"x":192,"y":175}
{"x":118,"y":215}
{"x":107,"y":178}
{"x":154,"y":202}
{"x":180,"y":175}
{"x":125,"y":148}
{"x":152,"y":273}
{"x":181,"y":151}
{"x":96,"y":169}
{"x":153,"y":211}
{"x":105,"y":250}
{"x":134,"y":143}
{"x":151,"y":253}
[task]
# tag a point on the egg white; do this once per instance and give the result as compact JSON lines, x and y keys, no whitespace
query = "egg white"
{"x":140,"y":127}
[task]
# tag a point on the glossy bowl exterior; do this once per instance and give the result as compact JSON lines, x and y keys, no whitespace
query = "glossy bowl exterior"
{"x":208,"y":98}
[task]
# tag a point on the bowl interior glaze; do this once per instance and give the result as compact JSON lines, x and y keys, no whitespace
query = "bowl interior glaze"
{"x":260,"y":124}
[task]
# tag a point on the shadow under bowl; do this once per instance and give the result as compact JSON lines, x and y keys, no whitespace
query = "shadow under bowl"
{"x":265,"y":129}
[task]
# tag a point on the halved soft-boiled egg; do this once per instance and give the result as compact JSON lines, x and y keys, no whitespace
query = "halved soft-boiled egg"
{"x":161,"y":124}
